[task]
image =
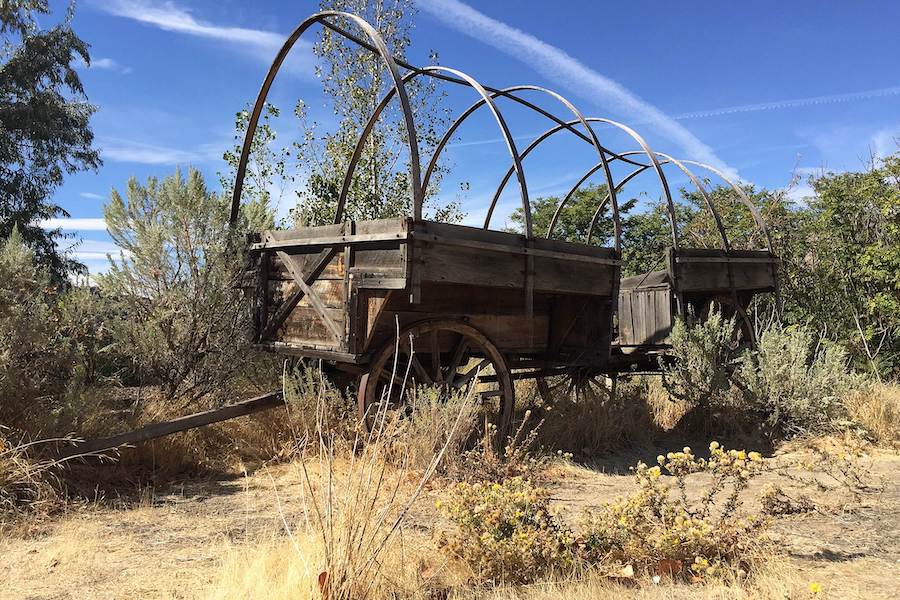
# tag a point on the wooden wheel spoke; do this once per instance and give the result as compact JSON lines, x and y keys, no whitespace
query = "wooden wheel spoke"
{"x":436,"y":358}
{"x":420,"y":370}
{"x":456,"y":359}
{"x":470,"y":374}
{"x":449,"y":369}
{"x":413,"y":361}
{"x":387,"y":376}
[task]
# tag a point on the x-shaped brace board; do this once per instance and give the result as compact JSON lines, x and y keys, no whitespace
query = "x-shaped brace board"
{"x":304,"y":281}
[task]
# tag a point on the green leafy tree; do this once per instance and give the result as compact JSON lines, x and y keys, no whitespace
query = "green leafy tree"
{"x":183,"y":319}
{"x":44,"y":125}
{"x":267,"y":168}
{"x":354,"y":80}
{"x":575,"y":219}
{"x":743,"y":233}
{"x":853,"y":235}
{"x":32,"y":360}
{"x":647,"y":235}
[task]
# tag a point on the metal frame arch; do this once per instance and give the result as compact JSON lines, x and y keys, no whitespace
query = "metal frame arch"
{"x":600,"y":151}
{"x":504,"y":93}
{"x":486,"y":98}
{"x":706,"y":197}
{"x":667,"y":159}
{"x":742,"y":195}
{"x":381,"y":48}
{"x":625,"y":180}
{"x":647,"y":150}
{"x":591,"y":138}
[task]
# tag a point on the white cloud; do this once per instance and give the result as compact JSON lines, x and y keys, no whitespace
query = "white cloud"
{"x":92,"y":196}
{"x":556,"y":65}
{"x":852,"y":146}
{"x":92,"y":250}
{"x":799,"y":193}
{"x":110,"y":65}
{"x":78,"y":224}
{"x":119,"y":150}
{"x":886,"y":142}
{"x":105,"y":64}
{"x":171,"y":17}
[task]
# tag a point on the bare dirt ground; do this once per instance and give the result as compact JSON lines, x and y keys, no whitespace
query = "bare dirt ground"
{"x":172,"y":543}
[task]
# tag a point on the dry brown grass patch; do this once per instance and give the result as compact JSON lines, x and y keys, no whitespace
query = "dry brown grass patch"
{"x":876,"y":407}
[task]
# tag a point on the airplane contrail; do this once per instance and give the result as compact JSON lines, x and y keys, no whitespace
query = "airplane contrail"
{"x":792,"y":103}
{"x":565,"y":70}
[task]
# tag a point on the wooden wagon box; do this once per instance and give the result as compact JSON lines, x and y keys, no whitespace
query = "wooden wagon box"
{"x":648,"y":303}
{"x":339,"y":292}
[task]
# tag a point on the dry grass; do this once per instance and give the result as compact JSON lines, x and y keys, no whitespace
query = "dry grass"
{"x":595,"y":421}
{"x":28,"y":486}
{"x":876,"y":407}
{"x":776,"y":581}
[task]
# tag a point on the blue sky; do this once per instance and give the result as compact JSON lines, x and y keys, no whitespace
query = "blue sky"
{"x":761,"y":89}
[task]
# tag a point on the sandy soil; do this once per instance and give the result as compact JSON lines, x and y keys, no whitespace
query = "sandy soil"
{"x":172,"y":544}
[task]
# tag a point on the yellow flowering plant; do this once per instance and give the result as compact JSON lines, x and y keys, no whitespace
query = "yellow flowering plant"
{"x":506,"y":531}
{"x":674,"y":533}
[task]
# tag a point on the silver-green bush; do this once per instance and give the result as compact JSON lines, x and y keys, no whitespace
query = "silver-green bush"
{"x":795,"y":387}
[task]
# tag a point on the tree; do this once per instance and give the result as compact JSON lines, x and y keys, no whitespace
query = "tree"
{"x":44,"y":125}
{"x":853,"y":233}
{"x":575,"y":218}
{"x":267,"y":167}
{"x":647,"y":235}
{"x":183,"y":319}
{"x":354,"y":80}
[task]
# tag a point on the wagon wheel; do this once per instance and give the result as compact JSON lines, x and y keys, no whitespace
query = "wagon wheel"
{"x":445,"y":353}
{"x":576,"y":383}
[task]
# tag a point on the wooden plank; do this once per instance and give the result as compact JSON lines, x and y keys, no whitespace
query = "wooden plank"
{"x":508,"y":332}
{"x":288,"y":305}
{"x":323,"y":352}
{"x":726,"y":259}
{"x":306,"y":259}
{"x":330,"y":291}
{"x":510,"y":249}
{"x":551,"y":275}
{"x":306,"y":325}
{"x":311,"y":296}
{"x":466,"y":265}
{"x":158,"y":430}
{"x":341,"y":240}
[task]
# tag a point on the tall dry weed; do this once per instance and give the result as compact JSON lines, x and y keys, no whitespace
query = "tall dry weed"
{"x":876,"y":407}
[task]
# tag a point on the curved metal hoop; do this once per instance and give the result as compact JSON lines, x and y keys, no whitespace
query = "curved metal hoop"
{"x":486,"y":98}
{"x":617,"y":224}
{"x":662,"y":179}
{"x":666,"y":160}
{"x":742,"y":195}
{"x":378,"y":46}
{"x":706,"y":198}
{"x":541,"y":138}
{"x":744,"y":198}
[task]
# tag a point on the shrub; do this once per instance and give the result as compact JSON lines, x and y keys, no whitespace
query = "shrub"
{"x":792,"y":388}
{"x":34,"y":358}
{"x":519,"y":457}
{"x":595,"y":420}
{"x":436,"y":418}
{"x":505,"y":532}
{"x":677,"y":534}
{"x":181,"y":317}
{"x":316,"y":408}
{"x":702,"y":352}
{"x":355,"y":512}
